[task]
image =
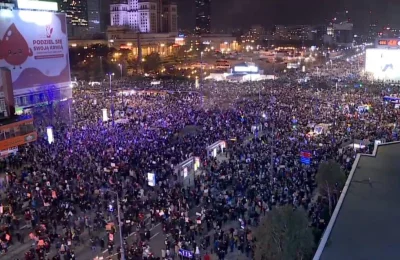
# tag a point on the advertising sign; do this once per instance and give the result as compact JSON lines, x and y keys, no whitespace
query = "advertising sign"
{"x":388,"y":43}
{"x":151,"y":179}
{"x":247,"y":69}
{"x":180,"y":41}
{"x":12,"y":150}
{"x":305,"y":157}
{"x":37,"y":5}
{"x":186,"y":253}
{"x":383,"y":64}
{"x":17,"y":141}
{"x":34,"y":47}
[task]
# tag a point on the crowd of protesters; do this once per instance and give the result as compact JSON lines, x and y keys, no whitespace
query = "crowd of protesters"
{"x":62,"y":196}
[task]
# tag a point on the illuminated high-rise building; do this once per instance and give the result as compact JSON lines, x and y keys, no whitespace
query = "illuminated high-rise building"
{"x":203,"y":16}
{"x":77,"y":16}
{"x":93,"y":9}
{"x":146,"y":16}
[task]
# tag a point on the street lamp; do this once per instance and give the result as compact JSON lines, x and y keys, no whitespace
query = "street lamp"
{"x":101,"y":64}
{"x":120,"y":68}
{"x":112,"y":99}
{"x":119,"y":225}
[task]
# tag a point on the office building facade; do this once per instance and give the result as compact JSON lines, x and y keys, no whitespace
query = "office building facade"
{"x":169,"y":18}
{"x":77,"y":16}
{"x":203,"y":16}
{"x":145,"y":16}
{"x":93,"y":9}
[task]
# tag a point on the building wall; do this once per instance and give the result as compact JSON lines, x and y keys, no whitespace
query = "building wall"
{"x":124,"y":38}
{"x":293,"y":32}
{"x":170,"y":18}
{"x":85,"y":43}
{"x":343,"y":33}
{"x":220,"y":42}
{"x":203,"y":16}
{"x":77,"y":16}
{"x":119,"y":14}
{"x":146,"y":16}
{"x":93,"y":7}
{"x":173,"y":18}
{"x":104,"y":15}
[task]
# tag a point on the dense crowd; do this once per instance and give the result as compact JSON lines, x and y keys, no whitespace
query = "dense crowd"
{"x":62,"y":195}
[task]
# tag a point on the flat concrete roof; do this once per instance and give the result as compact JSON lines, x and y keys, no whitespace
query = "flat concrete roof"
{"x":367,"y":225}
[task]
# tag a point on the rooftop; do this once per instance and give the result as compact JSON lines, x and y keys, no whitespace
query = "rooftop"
{"x":364,"y":223}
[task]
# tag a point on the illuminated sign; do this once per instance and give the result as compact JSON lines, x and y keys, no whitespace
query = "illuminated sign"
{"x":382,"y":42}
{"x":40,"y":39}
{"x":37,"y":5}
{"x":393,"y":43}
{"x":105,"y":114}
{"x":125,"y":47}
{"x":246,"y":69}
{"x":180,"y":41}
{"x":151,"y":179}
{"x":50,"y":135}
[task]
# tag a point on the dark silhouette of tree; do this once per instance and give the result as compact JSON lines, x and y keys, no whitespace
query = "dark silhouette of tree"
{"x":330,"y":180}
{"x":284,"y":234}
{"x":152,"y":62}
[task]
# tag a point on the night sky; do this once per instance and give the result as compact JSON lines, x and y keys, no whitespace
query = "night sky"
{"x":228,"y":14}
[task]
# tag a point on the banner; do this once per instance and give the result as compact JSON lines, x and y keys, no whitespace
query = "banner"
{"x":34,"y":47}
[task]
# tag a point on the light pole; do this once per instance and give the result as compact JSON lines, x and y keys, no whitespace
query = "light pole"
{"x":101,"y":64}
{"x":272,"y":147}
{"x":112,"y":99}
{"x":121,"y":240}
{"x":201,"y":75}
{"x":120,"y":68}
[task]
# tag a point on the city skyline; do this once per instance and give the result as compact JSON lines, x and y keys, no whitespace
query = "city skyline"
{"x":229,"y":14}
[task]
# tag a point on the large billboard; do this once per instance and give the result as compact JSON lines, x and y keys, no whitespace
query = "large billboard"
{"x":34,"y":47}
{"x":383,"y":64}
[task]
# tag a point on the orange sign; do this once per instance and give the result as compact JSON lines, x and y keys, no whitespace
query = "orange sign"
{"x":18,"y":140}
{"x":8,"y":126}
{"x":382,"y":42}
{"x":125,"y":47}
{"x":393,"y":43}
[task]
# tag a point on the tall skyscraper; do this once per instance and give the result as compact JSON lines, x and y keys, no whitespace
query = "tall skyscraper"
{"x":93,"y":9}
{"x":169,"y":17}
{"x":77,"y":16}
{"x":203,"y":16}
{"x":104,"y":15}
{"x":146,"y":16}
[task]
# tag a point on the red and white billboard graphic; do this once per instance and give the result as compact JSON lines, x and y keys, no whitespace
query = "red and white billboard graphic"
{"x":34,"y":47}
